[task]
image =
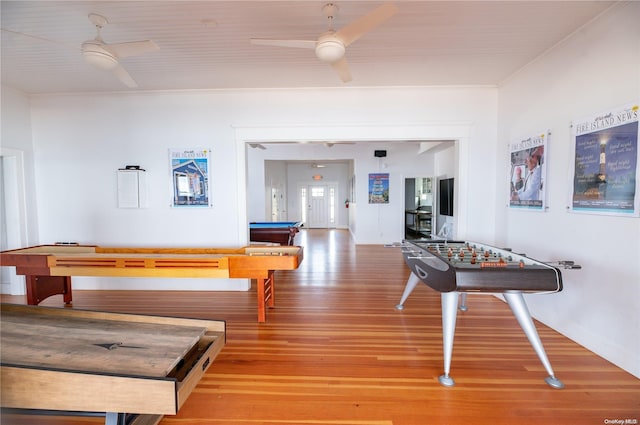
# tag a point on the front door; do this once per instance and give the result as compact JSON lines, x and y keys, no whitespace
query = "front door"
{"x":317,"y":207}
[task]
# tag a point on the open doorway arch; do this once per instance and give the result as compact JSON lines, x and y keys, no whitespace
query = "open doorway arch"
{"x":246,"y":135}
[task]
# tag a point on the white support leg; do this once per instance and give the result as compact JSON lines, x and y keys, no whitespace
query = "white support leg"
{"x":411,"y":284}
{"x":463,"y":302}
{"x":113,"y":418}
{"x":520,"y":310}
{"x":449,"y":301}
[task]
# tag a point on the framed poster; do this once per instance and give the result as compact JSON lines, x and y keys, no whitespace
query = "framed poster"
{"x":379,"y":188}
{"x":190,"y":177}
{"x":605,"y":172}
{"x":528,"y":173}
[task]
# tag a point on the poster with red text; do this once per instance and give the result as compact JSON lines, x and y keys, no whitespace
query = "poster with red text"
{"x":528,"y":172}
{"x":379,"y":188}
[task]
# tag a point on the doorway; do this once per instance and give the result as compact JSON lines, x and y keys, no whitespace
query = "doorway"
{"x":456,"y":163}
{"x":419,"y":220}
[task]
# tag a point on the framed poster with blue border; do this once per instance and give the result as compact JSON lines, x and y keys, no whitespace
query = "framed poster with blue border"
{"x":190,"y":177}
{"x":606,"y":157}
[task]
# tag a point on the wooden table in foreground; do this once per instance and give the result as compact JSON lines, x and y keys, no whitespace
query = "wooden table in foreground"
{"x":132,"y":368}
{"x":48,"y":268}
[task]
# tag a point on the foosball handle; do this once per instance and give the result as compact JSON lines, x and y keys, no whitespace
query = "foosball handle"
{"x":569,"y":264}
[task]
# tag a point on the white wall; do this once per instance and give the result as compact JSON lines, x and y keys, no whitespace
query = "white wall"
{"x":596,"y":69}
{"x":384,"y":223}
{"x":81,"y":140}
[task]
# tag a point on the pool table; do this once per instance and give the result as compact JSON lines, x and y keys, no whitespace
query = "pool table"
{"x":282,"y":232}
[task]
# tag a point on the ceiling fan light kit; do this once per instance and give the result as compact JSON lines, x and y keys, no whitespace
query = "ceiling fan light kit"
{"x":329,"y":49}
{"x":97,"y":56}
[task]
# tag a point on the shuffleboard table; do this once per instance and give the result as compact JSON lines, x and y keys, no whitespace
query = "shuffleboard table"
{"x":132,"y":368}
{"x":281,"y":232}
{"x":49,"y":268}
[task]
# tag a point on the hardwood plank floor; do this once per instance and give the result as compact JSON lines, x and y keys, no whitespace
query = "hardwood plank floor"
{"x":335,"y":351}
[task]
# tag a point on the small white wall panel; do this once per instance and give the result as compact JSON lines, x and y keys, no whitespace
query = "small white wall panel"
{"x":132,"y":189}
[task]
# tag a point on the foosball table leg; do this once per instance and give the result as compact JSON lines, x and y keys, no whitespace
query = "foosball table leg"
{"x":411,"y":284}
{"x":463,"y":302}
{"x":112,"y":418}
{"x":449,"y":301}
{"x":519,"y":307}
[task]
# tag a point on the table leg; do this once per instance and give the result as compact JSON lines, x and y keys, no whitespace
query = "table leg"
{"x":41,"y":287}
{"x":519,"y":307}
{"x":463,"y":302}
{"x":112,"y":418}
{"x":411,"y":284}
{"x":449,"y":301}
{"x":266,"y":296}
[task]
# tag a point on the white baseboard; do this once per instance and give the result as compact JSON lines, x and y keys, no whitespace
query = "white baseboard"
{"x":151,"y":284}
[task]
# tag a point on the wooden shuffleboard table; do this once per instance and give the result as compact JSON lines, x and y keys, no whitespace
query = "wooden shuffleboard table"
{"x":132,"y":368}
{"x":48,"y":268}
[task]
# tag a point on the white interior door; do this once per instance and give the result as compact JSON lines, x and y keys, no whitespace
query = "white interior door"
{"x":278,"y":204}
{"x":317,"y":207}
{"x":12,"y":216}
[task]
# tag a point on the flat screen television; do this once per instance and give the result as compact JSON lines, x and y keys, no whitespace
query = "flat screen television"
{"x":445,"y":197}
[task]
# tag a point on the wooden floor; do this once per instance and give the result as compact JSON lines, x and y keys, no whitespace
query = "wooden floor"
{"x":336,"y":351}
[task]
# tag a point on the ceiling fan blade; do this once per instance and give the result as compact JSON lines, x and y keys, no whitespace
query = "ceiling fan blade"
{"x":36,"y":37}
{"x":342,"y":68}
{"x":361,"y":26}
{"x":131,"y":48}
{"x":124,"y":77}
{"x":300,"y":44}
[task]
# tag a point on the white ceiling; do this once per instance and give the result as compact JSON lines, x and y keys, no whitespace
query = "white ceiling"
{"x":205,"y":44}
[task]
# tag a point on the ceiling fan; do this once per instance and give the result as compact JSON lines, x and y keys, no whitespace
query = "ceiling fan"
{"x":331,"y":46}
{"x":105,"y":56}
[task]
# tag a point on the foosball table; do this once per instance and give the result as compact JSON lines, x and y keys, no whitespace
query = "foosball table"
{"x":456,"y":268}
